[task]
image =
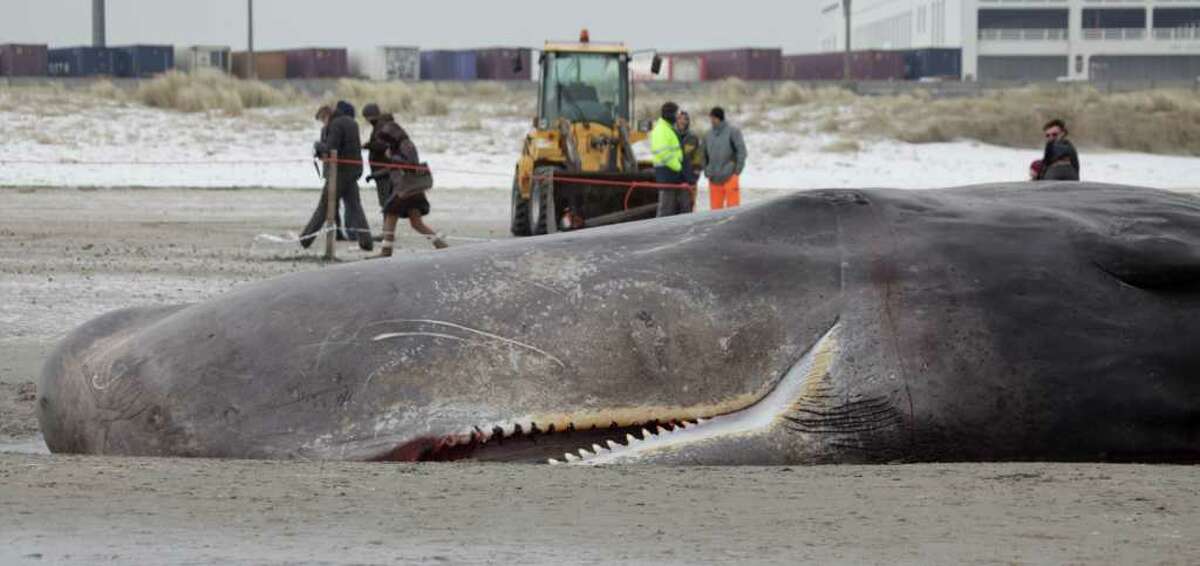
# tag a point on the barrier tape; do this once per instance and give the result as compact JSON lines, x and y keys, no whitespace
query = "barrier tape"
{"x":565,"y":178}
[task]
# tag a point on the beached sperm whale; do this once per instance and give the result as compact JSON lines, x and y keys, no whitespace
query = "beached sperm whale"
{"x":1006,"y":322}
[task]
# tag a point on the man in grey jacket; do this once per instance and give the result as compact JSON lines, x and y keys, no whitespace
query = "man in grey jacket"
{"x":724,"y":160}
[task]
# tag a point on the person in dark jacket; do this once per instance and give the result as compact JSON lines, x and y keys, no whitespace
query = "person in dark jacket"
{"x":390,"y":144}
{"x":1060,"y":161}
{"x":724,"y":160}
{"x":324,"y":114}
{"x":693,"y":160}
{"x":342,"y":135}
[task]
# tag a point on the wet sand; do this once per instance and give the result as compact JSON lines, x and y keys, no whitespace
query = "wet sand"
{"x":87,"y":510}
{"x":68,"y":255}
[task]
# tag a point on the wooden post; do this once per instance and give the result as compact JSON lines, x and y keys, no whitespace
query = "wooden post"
{"x":331,"y":199}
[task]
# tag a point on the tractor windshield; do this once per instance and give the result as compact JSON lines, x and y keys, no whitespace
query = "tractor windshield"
{"x":584,"y":87}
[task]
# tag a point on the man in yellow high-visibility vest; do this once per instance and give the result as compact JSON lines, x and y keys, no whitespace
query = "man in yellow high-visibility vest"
{"x":668,"y":162}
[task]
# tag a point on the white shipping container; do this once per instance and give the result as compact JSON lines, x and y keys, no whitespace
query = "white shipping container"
{"x":387,"y":63}
{"x":686,"y":68}
{"x":196,"y":57}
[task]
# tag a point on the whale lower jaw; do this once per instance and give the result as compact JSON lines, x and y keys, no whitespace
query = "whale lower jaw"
{"x":757,"y":419}
{"x":626,"y":435}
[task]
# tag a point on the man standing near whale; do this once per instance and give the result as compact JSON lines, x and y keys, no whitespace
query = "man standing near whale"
{"x":725,"y":158}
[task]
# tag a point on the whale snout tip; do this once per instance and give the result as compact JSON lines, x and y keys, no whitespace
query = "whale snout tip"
{"x":81,"y":370}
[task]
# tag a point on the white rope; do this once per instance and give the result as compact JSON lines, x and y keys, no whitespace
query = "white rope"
{"x":291,"y":238}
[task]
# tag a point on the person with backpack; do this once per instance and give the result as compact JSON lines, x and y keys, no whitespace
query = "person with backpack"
{"x":724,"y":158}
{"x":388,"y":145}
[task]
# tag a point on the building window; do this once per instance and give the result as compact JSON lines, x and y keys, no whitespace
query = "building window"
{"x":1032,"y":18}
{"x":1114,"y":18}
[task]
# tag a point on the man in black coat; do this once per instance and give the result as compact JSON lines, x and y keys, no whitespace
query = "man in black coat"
{"x":342,"y":135}
{"x":1060,"y":161}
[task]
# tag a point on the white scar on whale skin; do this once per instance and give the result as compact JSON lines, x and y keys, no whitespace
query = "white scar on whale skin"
{"x":477,"y":332}
{"x":811,"y":368}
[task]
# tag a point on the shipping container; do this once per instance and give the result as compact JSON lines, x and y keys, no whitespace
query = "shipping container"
{"x":137,"y":61}
{"x":268,"y":65}
{"x":933,"y":63}
{"x":198,"y":57}
{"x":496,"y":64}
{"x":447,"y":65}
{"x":748,"y":64}
{"x":17,"y":60}
{"x":687,"y":68}
{"x":81,"y":61}
{"x":386,"y":63}
{"x":317,"y":63}
{"x":864,"y":66}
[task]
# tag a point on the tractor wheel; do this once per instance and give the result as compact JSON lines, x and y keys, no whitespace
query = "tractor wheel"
{"x":520,"y":212}
{"x":541,"y":204}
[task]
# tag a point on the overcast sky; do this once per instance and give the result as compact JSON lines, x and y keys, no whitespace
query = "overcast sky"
{"x":429,"y":24}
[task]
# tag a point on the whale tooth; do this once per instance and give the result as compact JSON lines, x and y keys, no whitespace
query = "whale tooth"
{"x":612,"y":445}
{"x":585,"y":454}
{"x":662,"y":429}
{"x":571,"y":457}
{"x":553,"y":462}
{"x":701,"y":421}
{"x":646,"y":433}
{"x":630,"y":439}
{"x":597,"y":448}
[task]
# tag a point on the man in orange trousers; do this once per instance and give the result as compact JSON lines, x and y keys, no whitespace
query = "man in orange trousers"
{"x":724,"y":160}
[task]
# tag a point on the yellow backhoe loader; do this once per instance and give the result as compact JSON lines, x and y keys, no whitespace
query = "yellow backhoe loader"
{"x":577,"y":164}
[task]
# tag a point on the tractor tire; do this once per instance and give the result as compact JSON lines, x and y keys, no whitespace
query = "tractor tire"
{"x":542,"y":210}
{"x":520,"y":213}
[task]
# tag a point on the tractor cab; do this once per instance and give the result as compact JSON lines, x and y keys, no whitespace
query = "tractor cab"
{"x":584,"y":86}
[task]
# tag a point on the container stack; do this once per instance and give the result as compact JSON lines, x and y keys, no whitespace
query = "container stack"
{"x":449,"y":65}
{"x":933,"y":64}
{"x":81,"y":61}
{"x":199,"y":57}
{"x":876,"y":65}
{"x":499,"y":64}
{"x":21,"y":60}
{"x":748,"y":64}
{"x":142,"y":61}
{"x":268,"y":65}
{"x":389,"y":63}
{"x":864,"y":66}
{"x":317,"y":63}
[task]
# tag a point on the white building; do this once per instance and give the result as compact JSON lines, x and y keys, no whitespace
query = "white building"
{"x":1032,"y":39}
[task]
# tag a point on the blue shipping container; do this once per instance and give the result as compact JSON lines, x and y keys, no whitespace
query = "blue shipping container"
{"x":927,"y":63}
{"x":138,"y":61}
{"x":81,"y":61}
{"x":448,"y":66}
